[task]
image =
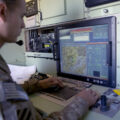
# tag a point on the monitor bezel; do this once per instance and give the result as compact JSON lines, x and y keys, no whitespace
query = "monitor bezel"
{"x":93,"y":3}
{"x":111,"y":21}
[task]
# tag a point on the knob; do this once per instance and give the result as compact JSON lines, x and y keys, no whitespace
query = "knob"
{"x":105,"y":10}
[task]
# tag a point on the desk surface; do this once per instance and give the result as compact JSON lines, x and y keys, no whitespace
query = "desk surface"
{"x":48,"y":106}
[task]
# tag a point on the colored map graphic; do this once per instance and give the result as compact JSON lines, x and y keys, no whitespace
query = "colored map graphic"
{"x":74,"y":59}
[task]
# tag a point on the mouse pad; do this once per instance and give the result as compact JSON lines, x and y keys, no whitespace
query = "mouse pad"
{"x":64,"y":93}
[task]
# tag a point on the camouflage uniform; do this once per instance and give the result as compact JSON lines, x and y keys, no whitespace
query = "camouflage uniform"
{"x":73,"y":111}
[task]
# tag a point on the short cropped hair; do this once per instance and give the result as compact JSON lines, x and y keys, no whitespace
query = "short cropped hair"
{"x":11,"y":4}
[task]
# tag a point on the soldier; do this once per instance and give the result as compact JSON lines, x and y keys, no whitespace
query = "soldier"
{"x":11,"y":23}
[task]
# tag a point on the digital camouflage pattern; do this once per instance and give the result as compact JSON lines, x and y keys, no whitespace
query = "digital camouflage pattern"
{"x":76,"y":109}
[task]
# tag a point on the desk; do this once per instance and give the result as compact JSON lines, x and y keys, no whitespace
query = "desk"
{"x":49,"y":106}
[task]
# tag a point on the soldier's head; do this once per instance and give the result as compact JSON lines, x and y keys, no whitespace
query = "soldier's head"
{"x":11,"y":19}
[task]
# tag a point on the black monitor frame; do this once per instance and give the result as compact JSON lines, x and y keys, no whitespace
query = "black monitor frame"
{"x":93,"y":3}
{"x":111,"y":21}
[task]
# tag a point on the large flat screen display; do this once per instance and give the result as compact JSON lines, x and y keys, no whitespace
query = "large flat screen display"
{"x":87,"y":52}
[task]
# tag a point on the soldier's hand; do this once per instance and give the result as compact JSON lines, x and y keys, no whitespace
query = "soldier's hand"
{"x":89,"y":96}
{"x":49,"y":82}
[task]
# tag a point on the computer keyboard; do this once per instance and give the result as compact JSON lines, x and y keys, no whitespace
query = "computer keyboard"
{"x":75,"y":82}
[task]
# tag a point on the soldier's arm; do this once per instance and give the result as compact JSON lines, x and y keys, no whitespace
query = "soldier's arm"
{"x":73,"y":111}
{"x":78,"y":107}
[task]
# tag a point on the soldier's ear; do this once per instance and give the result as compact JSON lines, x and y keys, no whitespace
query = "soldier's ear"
{"x":3,"y":12}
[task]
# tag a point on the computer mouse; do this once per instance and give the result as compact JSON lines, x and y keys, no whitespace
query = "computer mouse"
{"x":54,"y":88}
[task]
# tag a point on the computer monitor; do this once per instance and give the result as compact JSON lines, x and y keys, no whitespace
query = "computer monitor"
{"x":92,"y":3}
{"x":87,"y":51}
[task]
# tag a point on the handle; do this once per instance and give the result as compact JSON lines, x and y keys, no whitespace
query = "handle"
{"x":54,"y":51}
